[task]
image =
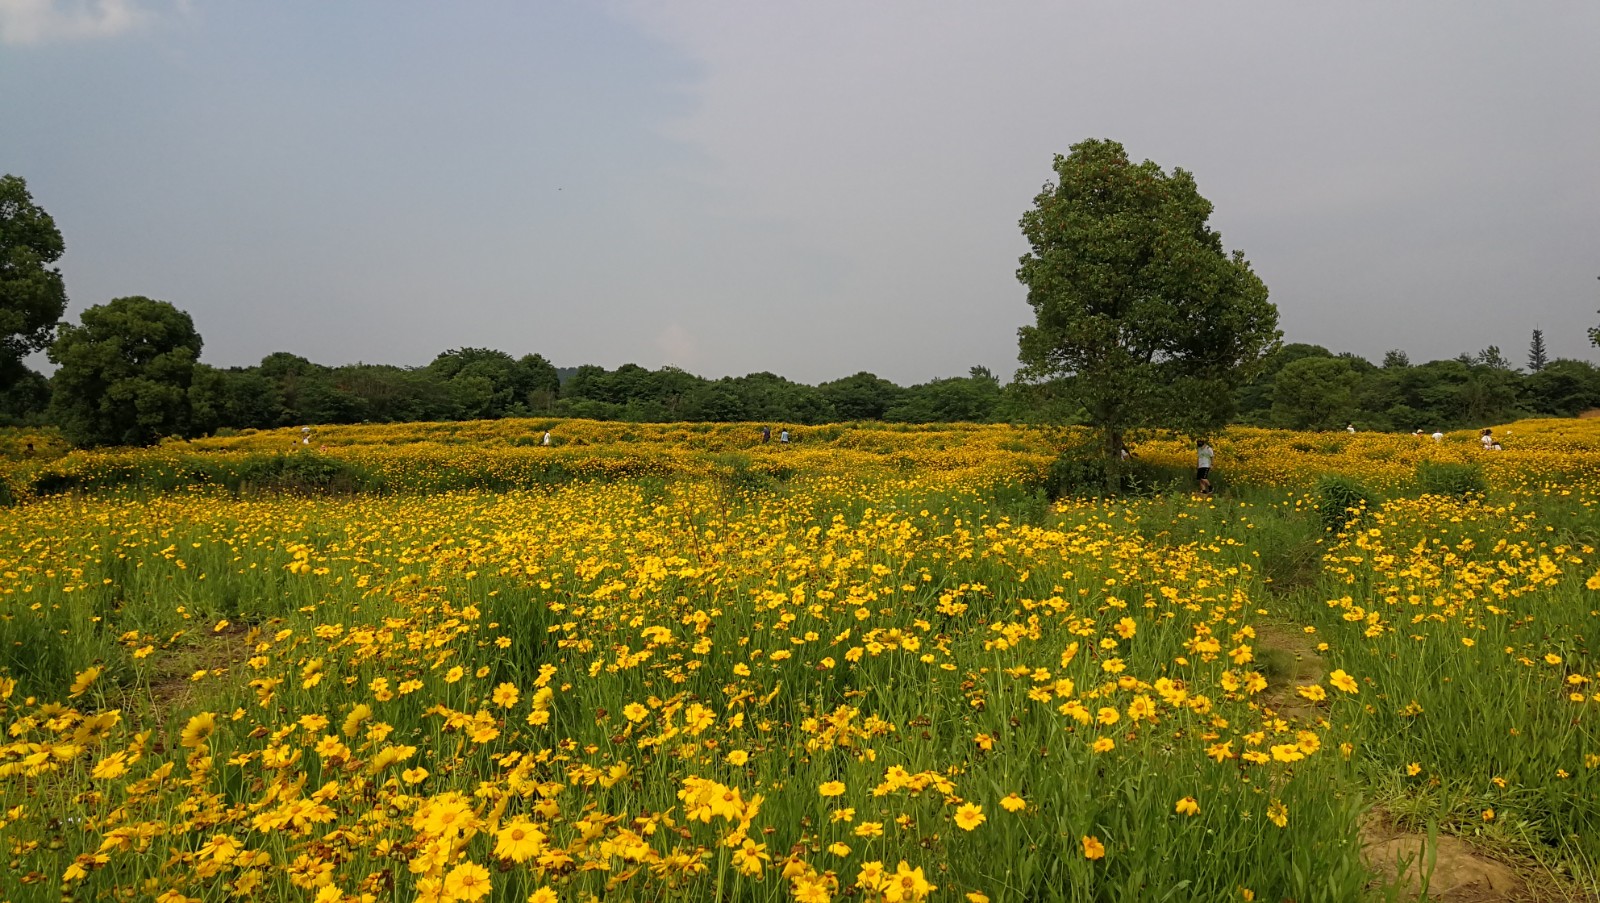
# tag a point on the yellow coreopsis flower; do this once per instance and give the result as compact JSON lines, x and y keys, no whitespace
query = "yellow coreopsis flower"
{"x":85,"y":680}
{"x":505,"y":695}
{"x":1093,"y":848}
{"x":1343,"y":682}
{"x":519,"y":841}
{"x":468,"y":881}
{"x":199,"y":729}
{"x":970,"y":816}
{"x":1188,"y":806}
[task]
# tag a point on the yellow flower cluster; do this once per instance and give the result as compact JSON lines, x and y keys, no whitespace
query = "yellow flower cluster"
{"x":859,"y":675}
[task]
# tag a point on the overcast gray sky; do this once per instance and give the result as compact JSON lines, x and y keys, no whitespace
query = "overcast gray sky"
{"x":808,"y":188}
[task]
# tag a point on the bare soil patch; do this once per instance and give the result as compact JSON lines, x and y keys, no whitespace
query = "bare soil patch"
{"x":172,"y":685}
{"x":1287,"y":657}
{"x":1453,"y":870}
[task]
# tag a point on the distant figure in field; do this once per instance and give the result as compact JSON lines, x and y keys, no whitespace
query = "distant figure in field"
{"x":1124,"y":453}
{"x":783,"y":436}
{"x":305,"y":435}
{"x":29,"y":452}
{"x":1487,"y":438}
{"x":546,"y":440}
{"x":766,"y":434}
{"x":1350,"y":428}
{"x":1418,"y":433}
{"x":1438,"y":436}
{"x":1203,"y":458}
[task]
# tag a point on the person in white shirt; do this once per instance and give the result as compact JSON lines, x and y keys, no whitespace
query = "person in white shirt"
{"x":1350,"y":428}
{"x":1438,"y":436}
{"x":1486,"y":438}
{"x":546,"y":438}
{"x":1203,"y":458}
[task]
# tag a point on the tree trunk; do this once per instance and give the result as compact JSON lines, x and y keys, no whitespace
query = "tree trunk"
{"x":1113,"y":450}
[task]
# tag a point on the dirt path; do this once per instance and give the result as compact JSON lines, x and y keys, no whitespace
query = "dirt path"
{"x":1450,"y":869}
{"x":1287,"y":657}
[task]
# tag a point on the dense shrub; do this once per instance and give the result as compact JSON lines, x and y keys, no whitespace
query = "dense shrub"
{"x":1448,"y":479}
{"x":1081,"y":471}
{"x":304,"y":472}
{"x":1340,"y":500}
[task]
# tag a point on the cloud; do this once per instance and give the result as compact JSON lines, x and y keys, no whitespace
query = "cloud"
{"x":43,"y":21}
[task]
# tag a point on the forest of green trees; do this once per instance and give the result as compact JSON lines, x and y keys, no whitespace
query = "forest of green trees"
{"x":129,"y":373}
{"x":1301,"y":387}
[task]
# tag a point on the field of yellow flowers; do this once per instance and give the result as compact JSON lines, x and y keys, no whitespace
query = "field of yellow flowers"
{"x":669,"y":662}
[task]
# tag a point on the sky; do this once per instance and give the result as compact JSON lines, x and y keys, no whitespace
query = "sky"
{"x":811,"y":189}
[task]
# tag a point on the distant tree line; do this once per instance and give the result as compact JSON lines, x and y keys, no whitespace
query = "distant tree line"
{"x":129,"y":373}
{"x":97,"y":399}
{"x":1309,"y":387}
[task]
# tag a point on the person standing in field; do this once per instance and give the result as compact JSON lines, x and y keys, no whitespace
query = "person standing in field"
{"x":1203,"y":458}
{"x":1486,"y":439}
{"x":1350,"y":428}
{"x":766,"y":435}
{"x":546,"y":441}
{"x":783,"y":436}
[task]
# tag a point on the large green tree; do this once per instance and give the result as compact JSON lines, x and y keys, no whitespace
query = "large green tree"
{"x":1316,"y":393}
{"x":124,"y":375}
{"x":32,"y":294}
{"x":1141,"y":317}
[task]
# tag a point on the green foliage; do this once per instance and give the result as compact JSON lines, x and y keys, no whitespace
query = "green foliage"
{"x":303,"y":472}
{"x":1340,"y":500}
{"x":1307,"y":387}
{"x":863,"y":396}
{"x":32,"y":293}
{"x":741,"y":473}
{"x":1315,"y":394}
{"x":1450,"y":479}
{"x":1141,"y":317}
{"x":1562,"y":388}
{"x":1537,"y":356}
{"x":25,"y":397}
{"x":1080,"y":470}
{"x":125,"y":374}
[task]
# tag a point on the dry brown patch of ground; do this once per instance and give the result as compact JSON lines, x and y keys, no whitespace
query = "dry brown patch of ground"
{"x":1287,"y":657}
{"x":172,"y":685}
{"x":1453,"y":870}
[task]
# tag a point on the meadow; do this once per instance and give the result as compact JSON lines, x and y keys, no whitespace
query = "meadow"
{"x":440,"y":662}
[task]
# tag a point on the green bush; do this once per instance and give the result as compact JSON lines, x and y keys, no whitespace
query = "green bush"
{"x":1081,"y":471}
{"x":1454,"y":480}
{"x":1340,"y":500}
{"x":304,"y":472}
{"x":1076,"y":471}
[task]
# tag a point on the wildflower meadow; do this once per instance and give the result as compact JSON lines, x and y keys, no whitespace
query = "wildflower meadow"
{"x":443,"y":662}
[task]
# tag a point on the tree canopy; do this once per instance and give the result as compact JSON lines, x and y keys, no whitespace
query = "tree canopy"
{"x":32,"y":293}
{"x":1141,"y":317}
{"x":125,"y":373}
